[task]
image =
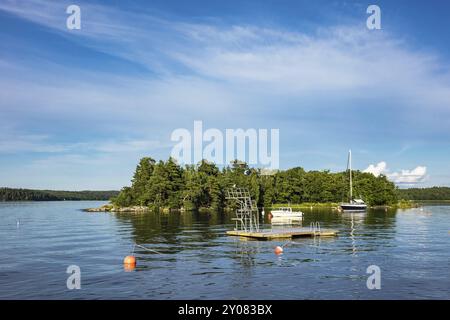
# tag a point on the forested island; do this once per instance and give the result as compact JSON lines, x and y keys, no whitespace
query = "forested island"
{"x":165,"y":184}
{"x":13,"y":194}
{"x":430,"y":194}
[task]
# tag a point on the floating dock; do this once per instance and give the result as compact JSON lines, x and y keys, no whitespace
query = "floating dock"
{"x":247,"y":221}
{"x":268,"y":234}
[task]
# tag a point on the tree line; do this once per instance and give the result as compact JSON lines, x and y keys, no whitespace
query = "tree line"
{"x":165,"y":184}
{"x":433,"y":193}
{"x":12,"y":194}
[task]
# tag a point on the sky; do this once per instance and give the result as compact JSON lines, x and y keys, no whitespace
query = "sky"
{"x":80,"y":107}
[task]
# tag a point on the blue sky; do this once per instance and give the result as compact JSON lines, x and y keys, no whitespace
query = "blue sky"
{"x":78,"y":108}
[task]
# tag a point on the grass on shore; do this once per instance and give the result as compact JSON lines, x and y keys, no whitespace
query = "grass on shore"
{"x":407,"y":204}
{"x":402,"y":204}
{"x":306,"y":205}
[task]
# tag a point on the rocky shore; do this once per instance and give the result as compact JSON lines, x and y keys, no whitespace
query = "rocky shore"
{"x":132,"y":209}
{"x":111,"y":208}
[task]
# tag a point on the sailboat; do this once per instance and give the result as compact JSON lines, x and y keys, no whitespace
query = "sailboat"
{"x":354,"y":204}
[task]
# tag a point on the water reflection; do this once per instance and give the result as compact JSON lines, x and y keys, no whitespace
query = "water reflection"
{"x":193,"y":230}
{"x":174,"y":232}
{"x":352,"y":235}
{"x":198,"y":241}
{"x":246,"y":251}
{"x":198,"y":260}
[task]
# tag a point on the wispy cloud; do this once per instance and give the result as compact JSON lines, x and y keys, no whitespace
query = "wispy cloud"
{"x":342,"y":61}
{"x":231,"y":75}
{"x":28,"y":143}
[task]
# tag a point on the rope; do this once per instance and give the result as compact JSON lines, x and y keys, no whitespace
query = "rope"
{"x":142,"y":247}
{"x":287,"y":243}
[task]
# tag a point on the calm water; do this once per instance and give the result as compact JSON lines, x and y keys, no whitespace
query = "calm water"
{"x":198,"y":261}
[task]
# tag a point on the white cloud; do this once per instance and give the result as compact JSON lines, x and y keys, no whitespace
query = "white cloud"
{"x":377,"y":169}
{"x":409,"y":177}
{"x":404,"y":177}
{"x":342,"y":61}
{"x":341,"y":58}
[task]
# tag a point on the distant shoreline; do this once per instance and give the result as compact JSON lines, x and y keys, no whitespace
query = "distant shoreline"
{"x":16,"y":194}
{"x":403,"y":204}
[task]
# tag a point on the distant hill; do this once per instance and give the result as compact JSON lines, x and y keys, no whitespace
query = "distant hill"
{"x":434,"y":193}
{"x":11,"y":194}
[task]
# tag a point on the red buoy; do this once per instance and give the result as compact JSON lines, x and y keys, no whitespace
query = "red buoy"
{"x":278,"y":250}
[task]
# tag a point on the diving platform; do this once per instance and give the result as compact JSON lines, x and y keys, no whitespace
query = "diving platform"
{"x":248,"y":226}
{"x":268,"y":234}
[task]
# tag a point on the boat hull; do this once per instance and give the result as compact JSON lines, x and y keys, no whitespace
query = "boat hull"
{"x":286,"y":214}
{"x":286,"y":222}
{"x":353,"y":207}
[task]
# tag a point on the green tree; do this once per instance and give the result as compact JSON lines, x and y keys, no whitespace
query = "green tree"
{"x":167,"y":185}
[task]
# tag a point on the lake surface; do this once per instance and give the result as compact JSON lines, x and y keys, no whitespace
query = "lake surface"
{"x":197,"y":260}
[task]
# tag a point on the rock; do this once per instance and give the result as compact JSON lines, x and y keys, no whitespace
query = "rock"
{"x":131,"y":209}
{"x":104,"y":208}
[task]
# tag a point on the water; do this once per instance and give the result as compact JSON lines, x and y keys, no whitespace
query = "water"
{"x":39,"y":240}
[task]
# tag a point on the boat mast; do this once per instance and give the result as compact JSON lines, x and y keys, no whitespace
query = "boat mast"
{"x":350,"y":172}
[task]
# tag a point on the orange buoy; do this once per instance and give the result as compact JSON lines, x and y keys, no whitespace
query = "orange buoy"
{"x":278,"y":250}
{"x":129,"y":267}
{"x":129,"y":261}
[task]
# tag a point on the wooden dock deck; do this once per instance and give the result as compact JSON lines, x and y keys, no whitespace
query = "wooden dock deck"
{"x":267,"y":234}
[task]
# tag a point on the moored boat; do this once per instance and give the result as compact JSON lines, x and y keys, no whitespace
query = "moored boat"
{"x":286,"y":213}
{"x":353,"y":204}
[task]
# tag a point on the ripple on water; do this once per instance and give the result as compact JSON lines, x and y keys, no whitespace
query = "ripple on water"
{"x":197,"y":260}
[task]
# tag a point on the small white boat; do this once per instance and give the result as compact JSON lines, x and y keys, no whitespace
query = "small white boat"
{"x":286,"y":213}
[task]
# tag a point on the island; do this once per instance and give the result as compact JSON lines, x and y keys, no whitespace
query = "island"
{"x":167,"y":186}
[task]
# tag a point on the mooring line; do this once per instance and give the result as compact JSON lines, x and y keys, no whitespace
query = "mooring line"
{"x":287,"y":243}
{"x":303,"y":244}
{"x":151,"y":250}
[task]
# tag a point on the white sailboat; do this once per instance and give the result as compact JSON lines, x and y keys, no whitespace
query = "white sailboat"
{"x":353,"y":204}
